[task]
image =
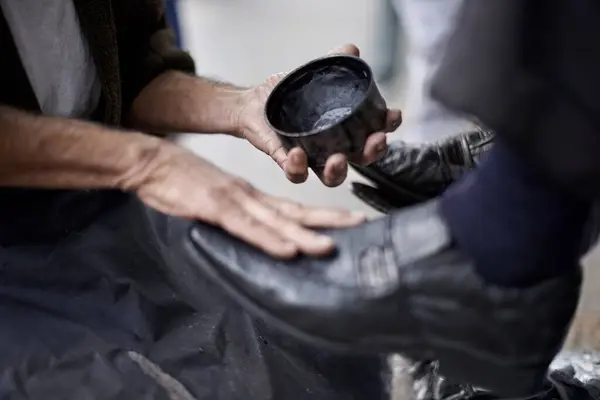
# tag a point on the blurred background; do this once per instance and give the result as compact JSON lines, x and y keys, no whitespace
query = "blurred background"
{"x":244,"y":41}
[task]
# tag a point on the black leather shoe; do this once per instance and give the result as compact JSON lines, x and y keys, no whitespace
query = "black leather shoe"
{"x":374,"y":197}
{"x":410,"y":174}
{"x":398,"y":285}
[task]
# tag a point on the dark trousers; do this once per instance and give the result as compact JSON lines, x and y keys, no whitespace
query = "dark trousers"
{"x":113,"y":312}
{"x":518,"y":226}
{"x":173,"y":20}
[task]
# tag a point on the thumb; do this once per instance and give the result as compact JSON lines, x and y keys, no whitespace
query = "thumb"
{"x":279,"y":156}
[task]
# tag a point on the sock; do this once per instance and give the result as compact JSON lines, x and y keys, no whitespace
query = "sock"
{"x":518,"y":227}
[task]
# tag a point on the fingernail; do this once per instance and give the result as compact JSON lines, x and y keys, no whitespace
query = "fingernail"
{"x":338,"y":168}
{"x":324,"y":241}
{"x":381,"y":147}
{"x":289,"y":248}
{"x":297,"y":178}
{"x":358,"y":215}
{"x":337,"y":182}
{"x":337,"y":176}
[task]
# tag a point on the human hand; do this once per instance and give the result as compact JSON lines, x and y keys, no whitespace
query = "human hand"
{"x":179,"y":183}
{"x":254,"y":128}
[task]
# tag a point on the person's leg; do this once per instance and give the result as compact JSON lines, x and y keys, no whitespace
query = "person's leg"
{"x":410,"y":174}
{"x":504,"y":214}
{"x":519,"y":227}
{"x":403,"y":170}
{"x":428,"y":24}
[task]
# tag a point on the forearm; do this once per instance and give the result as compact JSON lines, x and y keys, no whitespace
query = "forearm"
{"x":177,"y":102}
{"x":59,"y":153}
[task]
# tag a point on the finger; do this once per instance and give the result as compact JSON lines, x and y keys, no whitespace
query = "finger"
{"x":375,"y":148}
{"x":275,"y":78}
{"x":314,"y":217}
{"x":293,"y":163}
{"x":244,"y":226}
{"x":335,"y":171}
{"x":296,"y":165}
{"x":307,"y":241}
{"x":393,"y":120}
{"x":280,"y":157}
{"x":349,"y":49}
{"x":268,"y":142}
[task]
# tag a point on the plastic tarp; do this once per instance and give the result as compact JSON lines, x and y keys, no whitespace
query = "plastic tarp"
{"x":112,"y":312}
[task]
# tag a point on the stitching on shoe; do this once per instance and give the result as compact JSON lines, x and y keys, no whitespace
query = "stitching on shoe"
{"x":418,"y":233}
{"x":377,"y":272}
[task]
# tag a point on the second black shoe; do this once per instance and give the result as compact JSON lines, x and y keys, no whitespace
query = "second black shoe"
{"x":399,"y":285}
{"x":412,"y":174}
{"x":409,"y":174}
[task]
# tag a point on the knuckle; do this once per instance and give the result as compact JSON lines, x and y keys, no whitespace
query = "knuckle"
{"x":241,"y":184}
{"x":290,"y":209}
{"x":230,"y":187}
{"x":233,"y":215}
{"x":228,"y":216}
{"x":216,"y":210}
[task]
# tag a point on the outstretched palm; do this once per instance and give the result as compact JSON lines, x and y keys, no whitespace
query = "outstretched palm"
{"x":294,"y":163}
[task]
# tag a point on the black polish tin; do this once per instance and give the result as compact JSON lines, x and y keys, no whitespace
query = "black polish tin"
{"x":329,"y":105}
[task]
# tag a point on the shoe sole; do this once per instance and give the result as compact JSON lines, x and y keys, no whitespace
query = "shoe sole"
{"x":371,"y":197}
{"x":392,"y":189}
{"x":455,"y":363}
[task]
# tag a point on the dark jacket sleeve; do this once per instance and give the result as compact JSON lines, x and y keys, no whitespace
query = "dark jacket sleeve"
{"x":528,"y":70}
{"x":147,"y":46}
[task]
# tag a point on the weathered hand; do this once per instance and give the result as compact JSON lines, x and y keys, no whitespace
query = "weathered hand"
{"x":179,"y":183}
{"x":294,"y":163}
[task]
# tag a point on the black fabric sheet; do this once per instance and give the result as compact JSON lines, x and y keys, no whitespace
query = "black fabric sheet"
{"x":112,"y":312}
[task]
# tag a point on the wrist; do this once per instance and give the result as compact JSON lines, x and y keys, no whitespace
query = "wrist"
{"x":232,"y":103}
{"x":242,"y":124}
{"x":140,"y":153}
{"x":218,"y":106}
